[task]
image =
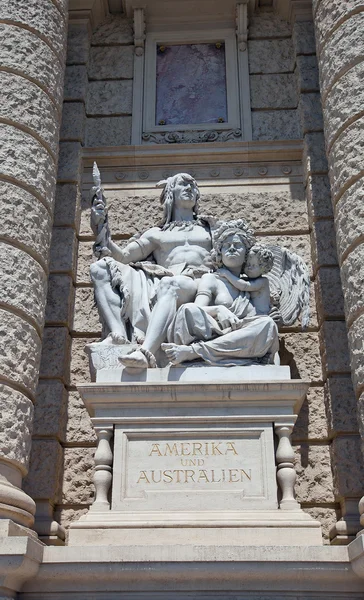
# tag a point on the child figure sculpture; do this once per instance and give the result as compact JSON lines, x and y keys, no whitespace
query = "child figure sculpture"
{"x":259,"y":262}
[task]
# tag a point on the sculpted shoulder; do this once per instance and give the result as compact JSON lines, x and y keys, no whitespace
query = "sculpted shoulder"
{"x":153,"y":235}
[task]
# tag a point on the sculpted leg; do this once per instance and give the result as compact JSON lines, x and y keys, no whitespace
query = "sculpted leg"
{"x":172,"y":293}
{"x":108,"y":303}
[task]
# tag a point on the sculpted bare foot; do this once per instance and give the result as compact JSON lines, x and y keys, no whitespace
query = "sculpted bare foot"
{"x":178,"y":354}
{"x":113,"y":339}
{"x":139,"y":359}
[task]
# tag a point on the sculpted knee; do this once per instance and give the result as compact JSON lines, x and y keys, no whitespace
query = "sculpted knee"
{"x":167,"y":286}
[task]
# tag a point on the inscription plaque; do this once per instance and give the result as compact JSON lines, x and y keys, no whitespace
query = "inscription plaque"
{"x":210,"y":471}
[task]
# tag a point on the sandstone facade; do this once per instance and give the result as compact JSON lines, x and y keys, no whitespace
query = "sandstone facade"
{"x":298,"y":181}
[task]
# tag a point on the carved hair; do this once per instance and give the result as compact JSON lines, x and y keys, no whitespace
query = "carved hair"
{"x":264,"y":255}
{"x":167,"y":196}
{"x":238,"y":227}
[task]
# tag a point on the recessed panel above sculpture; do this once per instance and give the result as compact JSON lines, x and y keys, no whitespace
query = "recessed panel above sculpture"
{"x":191,"y":84}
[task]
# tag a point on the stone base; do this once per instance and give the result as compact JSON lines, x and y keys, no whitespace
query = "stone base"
{"x":191,"y":572}
{"x":254,"y":528}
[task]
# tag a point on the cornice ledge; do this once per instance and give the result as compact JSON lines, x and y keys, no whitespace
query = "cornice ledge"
{"x":293,"y":10}
{"x":94,"y":12}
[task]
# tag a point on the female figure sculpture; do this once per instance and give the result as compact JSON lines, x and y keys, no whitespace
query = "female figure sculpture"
{"x":222,"y":326}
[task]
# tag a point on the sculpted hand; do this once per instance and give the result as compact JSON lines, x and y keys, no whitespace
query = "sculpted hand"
{"x":98,"y":210}
{"x":227,"y":318}
{"x":225,"y":274}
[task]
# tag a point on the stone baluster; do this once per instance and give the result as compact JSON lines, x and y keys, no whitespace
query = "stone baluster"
{"x":340,"y":45}
{"x":286,"y":474}
{"x":32,"y":63}
{"x":103,"y":468}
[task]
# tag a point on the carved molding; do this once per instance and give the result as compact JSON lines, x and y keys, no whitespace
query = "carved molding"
{"x":242,"y":25}
{"x":93,"y":11}
{"x":294,"y":10}
{"x":191,"y":137}
{"x":139,"y":31}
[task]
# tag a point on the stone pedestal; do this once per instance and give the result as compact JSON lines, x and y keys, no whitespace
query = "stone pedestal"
{"x":195,"y":459}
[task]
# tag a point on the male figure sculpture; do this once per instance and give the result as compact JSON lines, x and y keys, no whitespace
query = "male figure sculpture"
{"x":124,"y":294}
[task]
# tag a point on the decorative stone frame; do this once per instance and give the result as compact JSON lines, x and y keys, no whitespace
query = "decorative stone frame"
{"x":150,"y":84}
{"x":238,"y":126}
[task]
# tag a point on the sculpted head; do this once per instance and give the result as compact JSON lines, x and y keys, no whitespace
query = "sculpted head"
{"x":179,"y":190}
{"x":259,"y":261}
{"x":231,"y":243}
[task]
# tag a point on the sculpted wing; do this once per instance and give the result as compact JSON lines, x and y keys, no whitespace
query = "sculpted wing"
{"x":289,"y":280}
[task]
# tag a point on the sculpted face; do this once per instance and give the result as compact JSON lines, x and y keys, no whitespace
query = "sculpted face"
{"x":252,"y":268}
{"x":185,"y":193}
{"x":233,"y":251}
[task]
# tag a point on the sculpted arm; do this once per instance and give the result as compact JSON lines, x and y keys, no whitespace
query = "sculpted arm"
{"x":243,"y":285}
{"x":137,"y":249}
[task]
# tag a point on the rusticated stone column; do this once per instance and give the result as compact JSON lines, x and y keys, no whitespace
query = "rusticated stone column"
{"x":32,"y":39}
{"x":340,"y":49}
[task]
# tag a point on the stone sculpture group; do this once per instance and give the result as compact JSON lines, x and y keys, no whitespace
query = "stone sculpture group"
{"x":193,"y":288}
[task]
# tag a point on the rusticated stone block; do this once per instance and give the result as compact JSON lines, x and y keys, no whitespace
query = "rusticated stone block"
{"x":85,"y":258}
{"x":314,"y":154}
{"x":334,"y":345}
{"x":115,"y":30}
{"x":25,"y":159}
{"x":356,"y":346}
{"x":75,"y":83}
{"x":66,"y":516}
{"x":341,"y":50}
{"x":80,"y":371}
{"x":344,"y":101}
{"x":20,"y":351}
{"x":24,"y":219}
{"x":340,"y":405}
{"x":346,"y":157}
{"x":73,"y":122}
{"x":330,"y":299}
{"x":45,"y":470}
{"x":23,"y":283}
{"x":311,"y":422}
{"x":60,"y":300}
{"x":324,"y":247}
{"x":349,"y":217}
{"x":310,"y":110}
{"x":109,"y":98}
{"x":329,"y":13}
{"x":69,"y":162}
{"x":307,"y":74}
{"x":55,"y":353}
{"x":348,"y":466}
{"x":78,"y":469}
{"x":352,"y":273}
{"x":30,"y":106}
{"x":326,"y":516}
{"x":50,"y":409}
{"x":79,"y":426}
{"x":280,"y":52}
{"x":108,"y":131}
{"x":302,"y":353}
{"x":43,"y":18}
{"x":63,"y":251}
{"x":268,"y":25}
{"x":33,"y":57}
{"x":114,"y":62}
{"x":67,"y":208}
{"x":273,"y":91}
{"x":86,"y":318}
{"x":269,"y":211}
{"x":276,"y":125}
{"x":314,"y":476}
{"x":360,"y":411}
{"x":16,"y":427}
{"x":318,"y":193}
{"x":78,"y":43}
{"x":303,"y":36}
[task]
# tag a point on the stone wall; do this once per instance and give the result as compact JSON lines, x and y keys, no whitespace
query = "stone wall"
{"x":97,"y":112}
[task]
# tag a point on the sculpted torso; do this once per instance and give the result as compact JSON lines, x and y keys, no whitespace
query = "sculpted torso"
{"x":176,"y":246}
